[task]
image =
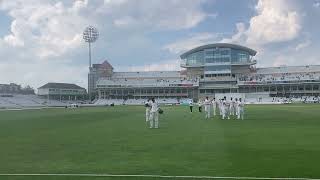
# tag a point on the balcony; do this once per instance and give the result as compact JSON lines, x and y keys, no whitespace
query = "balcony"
{"x":184,"y":64}
{"x":251,"y":62}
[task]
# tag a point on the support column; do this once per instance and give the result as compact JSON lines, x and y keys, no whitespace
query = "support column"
{"x":99,"y":93}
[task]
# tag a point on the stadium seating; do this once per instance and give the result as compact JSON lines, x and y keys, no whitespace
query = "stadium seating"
{"x":135,"y":101}
{"x":29,"y":101}
{"x":103,"y":102}
{"x":280,"y":77}
{"x":185,"y":101}
{"x":147,"y":82}
{"x":167,"y":101}
{"x":100,"y":102}
{"x":19,"y":101}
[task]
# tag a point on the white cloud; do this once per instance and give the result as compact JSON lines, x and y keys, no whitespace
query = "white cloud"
{"x":45,"y":35}
{"x":42,"y":34}
{"x":294,"y":59}
{"x":303,"y":45}
{"x":124,"y":22}
{"x":155,"y":14}
{"x":168,"y":65}
{"x":213,"y":15}
{"x":14,"y":39}
{"x":280,"y":61}
{"x":238,"y":37}
{"x":191,"y":42}
{"x":40,"y":73}
{"x":45,"y":29}
{"x":316,"y":4}
{"x":115,"y":2}
{"x":275,"y":22}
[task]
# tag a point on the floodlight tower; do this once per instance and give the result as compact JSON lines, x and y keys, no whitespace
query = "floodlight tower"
{"x":90,"y":35}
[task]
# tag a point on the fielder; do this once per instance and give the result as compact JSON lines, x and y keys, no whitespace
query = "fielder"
{"x":154,"y":114}
{"x":236,"y":104}
{"x":207,"y":107}
{"x":214,"y":106}
{"x":232,"y":107}
{"x":191,"y":105}
{"x":227,"y":107}
{"x":223,"y":108}
{"x":220,"y":107}
{"x":240,"y":109}
{"x":200,"y":106}
{"x":148,"y":109}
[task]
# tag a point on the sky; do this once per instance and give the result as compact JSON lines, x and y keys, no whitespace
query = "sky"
{"x":41,"y":40}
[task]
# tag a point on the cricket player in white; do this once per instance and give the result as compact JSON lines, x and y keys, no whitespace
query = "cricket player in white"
{"x":236,"y":104}
{"x":214,"y":106}
{"x":154,"y":114}
{"x":148,"y":109}
{"x":207,"y":107}
{"x":232,"y":107}
{"x":240,"y":109}
{"x":227,"y":107}
{"x":222,"y":108}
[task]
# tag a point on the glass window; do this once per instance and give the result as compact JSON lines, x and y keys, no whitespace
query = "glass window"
{"x":238,"y":56}
{"x":218,"y":68}
{"x":225,"y":52}
{"x":196,"y":58}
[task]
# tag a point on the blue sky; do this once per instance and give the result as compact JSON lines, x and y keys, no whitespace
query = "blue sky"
{"x":41,"y":41}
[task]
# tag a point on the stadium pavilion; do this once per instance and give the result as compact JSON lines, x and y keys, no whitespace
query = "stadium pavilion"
{"x":62,"y":91}
{"x":208,"y":70}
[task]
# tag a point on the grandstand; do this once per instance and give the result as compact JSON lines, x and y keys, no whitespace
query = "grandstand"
{"x":213,"y":70}
{"x":27,"y":101}
{"x":137,"y":87}
{"x":62,"y":92}
{"x":49,"y":95}
{"x":282,"y":81}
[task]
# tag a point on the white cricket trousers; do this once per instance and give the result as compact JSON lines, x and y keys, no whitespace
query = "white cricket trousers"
{"x":240,"y":113}
{"x":154,"y":120}
{"x":207,"y":111}
{"x":147,"y":115}
{"x":223,"y":112}
{"x":232,"y":109}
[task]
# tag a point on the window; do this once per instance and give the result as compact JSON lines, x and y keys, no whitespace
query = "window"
{"x":196,"y":58}
{"x":308,"y":87}
{"x":225,"y":52}
{"x":239,"y":56}
{"x":218,"y":68}
{"x":301,"y":88}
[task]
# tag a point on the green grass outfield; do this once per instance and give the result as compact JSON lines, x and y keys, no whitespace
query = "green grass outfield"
{"x":273,"y":141}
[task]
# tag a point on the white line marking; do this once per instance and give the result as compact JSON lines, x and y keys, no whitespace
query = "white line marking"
{"x":163,"y":176}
